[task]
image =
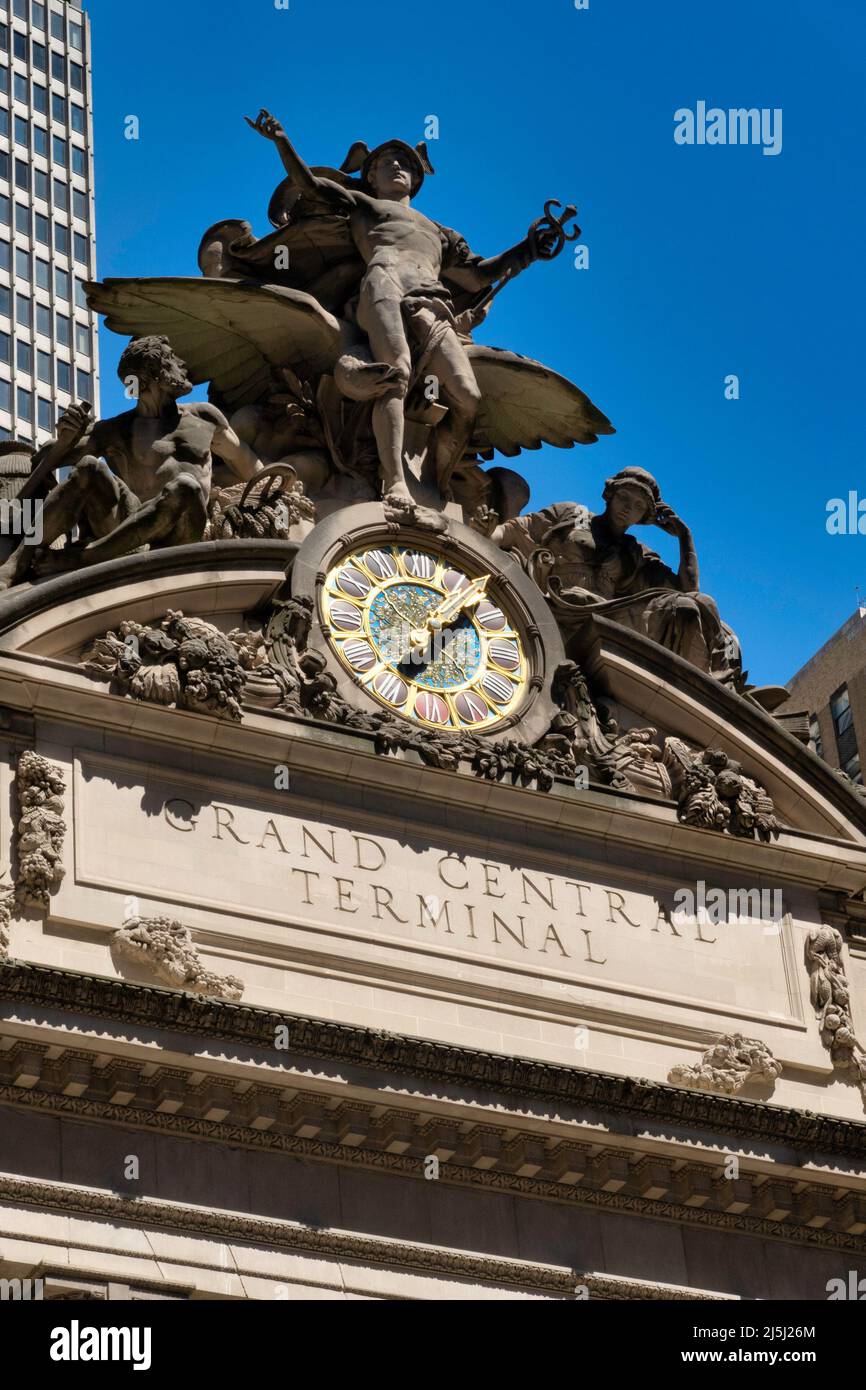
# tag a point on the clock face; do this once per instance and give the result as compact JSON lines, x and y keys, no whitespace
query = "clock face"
{"x":423,"y":638}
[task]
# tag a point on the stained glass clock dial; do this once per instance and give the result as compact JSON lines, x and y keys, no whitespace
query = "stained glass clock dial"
{"x":424,"y":638}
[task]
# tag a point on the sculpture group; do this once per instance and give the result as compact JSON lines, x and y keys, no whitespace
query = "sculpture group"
{"x":342,"y":368}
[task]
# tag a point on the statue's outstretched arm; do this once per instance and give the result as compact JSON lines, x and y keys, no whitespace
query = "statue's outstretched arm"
{"x":472,"y":273}
{"x":270,"y":128}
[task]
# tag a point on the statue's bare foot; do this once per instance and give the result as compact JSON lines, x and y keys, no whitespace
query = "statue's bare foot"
{"x":399,"y":498}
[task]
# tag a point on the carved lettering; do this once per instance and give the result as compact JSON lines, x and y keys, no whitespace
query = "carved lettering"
{"x":519,"y":938}
{"x":226,"y":824}
{"x":618,"y":907}
{"x":307,"y":836}
{"x":361,"y":840}
{"x":344,"y":895}
{"x":380,"y":892}
{"x":493,"y":870}
{"x":664,"y":916}
{"x":589,"y":955}
{"x":426,"y":908}
{"x":551,"y":933}
{"x":547,"y":897}
{"x":449,"y":884}
{"x":271,"y":831}
{"x":578,"y":888}
{"x":168,"y":813}
{"x":306,"y":874}
{"x":528,"y":900}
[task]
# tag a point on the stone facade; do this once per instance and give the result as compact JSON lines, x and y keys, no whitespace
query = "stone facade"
{"x":403,"y":895}
{"x":460,"y":1002}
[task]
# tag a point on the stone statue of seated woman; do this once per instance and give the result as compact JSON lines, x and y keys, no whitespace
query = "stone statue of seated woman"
{"x":589,"y":563}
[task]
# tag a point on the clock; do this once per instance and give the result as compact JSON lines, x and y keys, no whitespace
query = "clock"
{"x":427,"y":635}
{"x":429,"y":621}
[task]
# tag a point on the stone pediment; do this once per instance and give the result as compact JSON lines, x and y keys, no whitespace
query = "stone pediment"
{"x":237,"y":587}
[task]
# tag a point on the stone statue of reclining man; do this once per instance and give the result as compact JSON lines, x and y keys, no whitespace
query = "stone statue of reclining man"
{"x":141,"y":478}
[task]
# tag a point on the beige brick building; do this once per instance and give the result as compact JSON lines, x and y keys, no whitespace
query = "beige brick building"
{"x":831,"y":689}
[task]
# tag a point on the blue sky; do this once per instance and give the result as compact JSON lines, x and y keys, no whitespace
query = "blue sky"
{"x":705,"y":260}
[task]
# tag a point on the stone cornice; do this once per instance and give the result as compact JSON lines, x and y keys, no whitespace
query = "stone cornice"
{"x":290,"y":1235}
{"x":423,"y":1059}
{"x":484,"y":1159}
{"x":25,"y":601}
{"x":551,"y":1280}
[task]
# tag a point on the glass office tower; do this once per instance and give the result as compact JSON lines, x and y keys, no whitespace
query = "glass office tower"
{"x":48,"y":345}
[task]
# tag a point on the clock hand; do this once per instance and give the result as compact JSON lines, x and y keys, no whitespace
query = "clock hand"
{"x":415,"y":637}
{"x":445,"y":613}
{"x":455,"y":603}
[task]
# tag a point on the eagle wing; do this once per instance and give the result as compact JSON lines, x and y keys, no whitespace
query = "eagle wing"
{"x":228,"y":332}
{"x":524,"y":405}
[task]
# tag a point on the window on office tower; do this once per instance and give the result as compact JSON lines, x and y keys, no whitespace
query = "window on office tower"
{"x":815,"y":735}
